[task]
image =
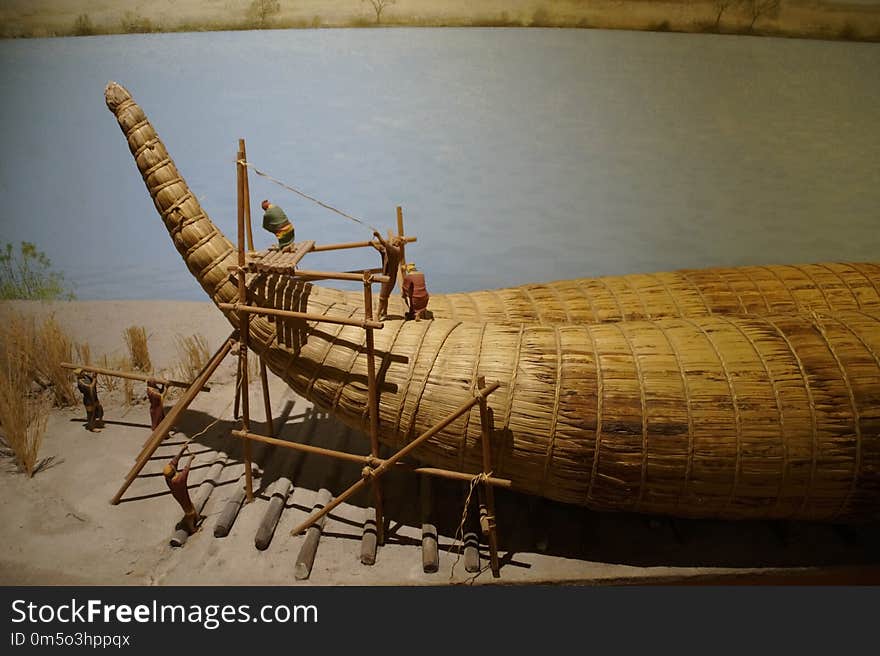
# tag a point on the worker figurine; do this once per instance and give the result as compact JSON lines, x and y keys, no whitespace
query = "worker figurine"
{"x":156,"y":396}
{"x":176,"y":481}
{"x":276,"y":222}
{"x":87,"y":384}
{"x":390,"y":260}
{"x":415,"y":293}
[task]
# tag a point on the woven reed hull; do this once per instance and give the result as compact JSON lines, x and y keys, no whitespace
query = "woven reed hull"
{"x":704,"y":414}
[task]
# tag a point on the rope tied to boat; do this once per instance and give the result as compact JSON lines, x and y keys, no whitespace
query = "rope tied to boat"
{"x":305,"y":195}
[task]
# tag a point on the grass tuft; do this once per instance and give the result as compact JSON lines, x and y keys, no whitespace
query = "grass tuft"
{"x":136,"y":341}
{"x":192,"y":355}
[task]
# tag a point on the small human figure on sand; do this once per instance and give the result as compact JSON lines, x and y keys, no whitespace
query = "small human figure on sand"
{"x":176,"y":480}
{"x":415,"y":293}
{"x":390,"y":260}
{"x":156,"y":396}
{"x":87,"y":384}
{"x":276,"y":222}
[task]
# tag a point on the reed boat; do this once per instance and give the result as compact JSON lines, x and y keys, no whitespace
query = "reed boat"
{"x":733,"y":393}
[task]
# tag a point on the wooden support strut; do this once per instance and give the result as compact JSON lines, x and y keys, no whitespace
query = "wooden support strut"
{"x":182,"y":404}
{"x":244,"y":326}
{"x":306,"y":316}
{"x":373,"y":403}
{"x":369,"y":460}
{"x":369,"y":473}
{"x":488,"y":492}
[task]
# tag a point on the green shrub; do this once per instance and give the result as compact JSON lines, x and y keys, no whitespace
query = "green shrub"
{"x":27,"y":275}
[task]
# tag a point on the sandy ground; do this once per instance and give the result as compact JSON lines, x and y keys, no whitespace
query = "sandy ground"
{"x":818,"y":19}
{"x":58,"y":528}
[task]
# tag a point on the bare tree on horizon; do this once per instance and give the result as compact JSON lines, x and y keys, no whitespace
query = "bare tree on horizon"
{"x":722,"y":6}
{"x":263,"y":9}
{"x":379,"y":6}
{"x":758,"y":8}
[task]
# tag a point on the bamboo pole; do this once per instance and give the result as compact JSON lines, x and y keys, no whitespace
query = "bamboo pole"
{"x":130,"y":375}
{"x":306,"y":558}
{"x":368,"y":473}
{"x":306,"y":316}
{"x":373,"y":403}
{"x":244,"y":329}
{"x":177,"y":409}
{"x":247,"y":197}
{"x":352,"y":244}
{"x":368,"y":460}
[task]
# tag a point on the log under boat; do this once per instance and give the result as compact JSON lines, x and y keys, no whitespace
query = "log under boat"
{"x":749,"y":392}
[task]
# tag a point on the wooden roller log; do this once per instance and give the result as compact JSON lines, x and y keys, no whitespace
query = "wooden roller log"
{"x":369,"y":538}
{"x":282,"y":489}
{"x":430,"y":551}
{"x":306,"y":558}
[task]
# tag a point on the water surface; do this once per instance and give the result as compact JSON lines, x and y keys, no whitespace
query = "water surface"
{"x":518,"y":155}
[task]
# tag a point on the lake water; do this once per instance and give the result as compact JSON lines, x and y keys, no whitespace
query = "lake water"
{"x":518,"y":155}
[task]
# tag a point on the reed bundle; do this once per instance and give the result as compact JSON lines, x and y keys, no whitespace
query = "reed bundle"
{"x":730,"y":393}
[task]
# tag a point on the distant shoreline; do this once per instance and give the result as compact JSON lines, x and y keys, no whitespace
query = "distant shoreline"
{"x":814,"y":19}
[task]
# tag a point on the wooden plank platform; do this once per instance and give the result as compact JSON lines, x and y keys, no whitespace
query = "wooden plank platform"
{"x":278,"y":261}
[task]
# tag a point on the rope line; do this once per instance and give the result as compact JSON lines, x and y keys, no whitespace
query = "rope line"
{"x":305,"y":195}
{"x":458,"y":540}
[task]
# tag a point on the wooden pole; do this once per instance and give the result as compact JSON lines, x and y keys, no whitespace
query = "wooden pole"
{"x":247,"y":197}
{"x":306,"y":274}
{"x":282,"y":489}
{"x":306,"y":316}
{"x":369,"y":473}
{"x":401,"y":268}
{"x":368,"y":460}
{"x":177,"y":409}
{"x":306,"y":558}
{"x":488,"y":492}
{"x":130,"y":375}
{"x":236,"y":412}
{"x":351,"y":244}
{"x":264,"y":380}
{"x":244,"y":329}
{"x":372,"y":400}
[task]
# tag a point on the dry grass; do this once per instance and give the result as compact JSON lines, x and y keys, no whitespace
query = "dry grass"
{"x":136,"y":341}
{"x":84,"y":353}
{"x":23,"y":414}
{"x":54,"y":346}
{"x":192,"y":355}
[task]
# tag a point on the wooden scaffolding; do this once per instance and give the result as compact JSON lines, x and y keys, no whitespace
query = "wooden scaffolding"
{"x":286,"y":262}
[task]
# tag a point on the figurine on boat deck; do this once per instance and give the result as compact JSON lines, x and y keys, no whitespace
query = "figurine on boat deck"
{"x":276,"y":222}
